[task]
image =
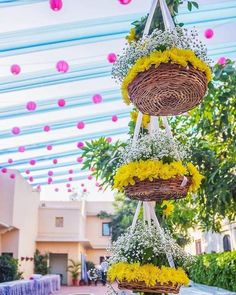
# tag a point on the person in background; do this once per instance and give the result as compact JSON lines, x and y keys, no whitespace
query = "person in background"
{"x":104,"y":268}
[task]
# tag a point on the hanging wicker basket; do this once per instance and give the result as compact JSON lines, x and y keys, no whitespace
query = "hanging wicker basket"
{"x":169,"y":89}
{"x":158,"y":189}
{"x":141,"y":287}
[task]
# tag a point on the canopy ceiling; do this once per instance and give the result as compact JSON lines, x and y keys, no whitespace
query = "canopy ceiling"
{"x":82,"y":33}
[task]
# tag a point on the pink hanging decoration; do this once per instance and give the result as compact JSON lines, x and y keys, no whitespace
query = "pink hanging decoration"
{"x":114,"y":118}
{"x":27,"y":171}
{"x":109,"y":139}
{"x":68,"y":185}
{"x":31,"y":179}
{"x":56,"y":5}
{"x":32,"y":162}
{"x":62,"y":66}
{"x":79,"y":159}
{"x":80,"y":144}
{"x":111,"y":57}
{"x":50,"y":173}
{"x":124,"y":2}
{"x":222,"y":61}
{"x":80,"y":125}
{"x":69,"y":190}
{"x":209,"y":33}
{"x":61,"y":102}
{"x":56,"y":189}
{"x":15,"y":130}
{"x":70,"y":179}
{"x":31,"y":106}
{"x":49,"y":147}
{"x":10,"y":161}
{"x":12,"y":176}
{"x":90,"y":177}
{"x":71,"y":171}
{"x":38,"y":188}
{"x":21,"y":149}
{"x":55,"y":161}
{"x":82,"y":184}
{"x":4,"y":170}
{"x":84,"y":190}
{"x":97,"y":98}
{"x":49,"y":180}
{"x":46,"y":128}
{"x":15,"y":69}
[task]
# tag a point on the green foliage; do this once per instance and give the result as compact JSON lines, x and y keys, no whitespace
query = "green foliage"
{"x":215,"y":270}
{"x":90,"y":265}
{"x":104,"y":215}
{"x":157,"y":21}
{"x":8,"y":269}
{"x":41,"y":263}
{"x":74,"y":269}
{"x":102,"y":157}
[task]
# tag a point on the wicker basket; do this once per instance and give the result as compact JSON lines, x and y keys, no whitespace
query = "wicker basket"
{"x":169,"y":89}
{"x":158,"y":189}
{"x":141,"y":287}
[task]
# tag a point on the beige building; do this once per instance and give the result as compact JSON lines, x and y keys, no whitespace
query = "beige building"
{"x":64,"y":230}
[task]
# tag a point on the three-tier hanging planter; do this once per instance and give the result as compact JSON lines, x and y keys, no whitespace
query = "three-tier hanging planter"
{"x":156,"y":168}
{"x":165,"y":73}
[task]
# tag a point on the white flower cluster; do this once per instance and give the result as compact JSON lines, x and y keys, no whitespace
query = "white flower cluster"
{"x":157,"y":146}
{"x":159,"y":40}
{"x":145,"y":244}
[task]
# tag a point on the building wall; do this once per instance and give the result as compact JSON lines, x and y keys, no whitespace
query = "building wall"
{"x":10,"y":242}
{"x":95,"y":254}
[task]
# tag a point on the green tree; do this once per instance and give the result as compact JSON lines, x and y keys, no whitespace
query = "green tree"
{"x":41,"y":263}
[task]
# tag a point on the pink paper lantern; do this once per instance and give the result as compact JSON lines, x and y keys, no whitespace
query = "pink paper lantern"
{"x":90,"y":177}
{"x":49,"y":180}
{"x":68,"y":185}
{"x":56,"y":189}
{"x":27,"y":171}
{"x":38,"y":188}
{"x":61,"y":102}
{"x":70,"y":179}
{"x":10,"y":161}
{"x":15,"y":69}
{"x":50,"y":173}
{"x":46,"y":128}
{"x":15,"y":130}
{"x":56,"y":5}
{"x":69,"y":190}
{"x":21,"y":149}
{"x":222,"y":61}
{"x":31,"y":179}
{"x":80,"y":125}
{"x":82,"y":184}
{"x":111,"y":57}
{"x":32,"y":162}
{"x":70,"y":171}
{"x":114,"y":118}
{"x":109,"y":139}
{"x":49,"y":147}
{"x":55,"y":161}
{"x":124,"y":2}
{"x":97,"y":98}
{"x":209,"y":33}
{"x":84,"y":190}
{"x":31,"y":106}
{"x":12,"y":176}
{"x":62,"y":66}
{"x":80,"y":145}
{"x":4,"y":170}
{"x":79,"y":159}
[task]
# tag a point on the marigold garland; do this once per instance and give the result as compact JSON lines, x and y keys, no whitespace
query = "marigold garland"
{"x":148,"y":273}
{"x":174,"y":55}
{"x":145,"y":119}
{"x":154,"y":169}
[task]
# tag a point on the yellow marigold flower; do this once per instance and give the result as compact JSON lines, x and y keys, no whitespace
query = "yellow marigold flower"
{"x":169,"y":208}
{"x":145,"y":120}
{"x":174,"y":55}
{"x":131,"y":36}
{"x":154,"y":169}
{"x":148,"y":273}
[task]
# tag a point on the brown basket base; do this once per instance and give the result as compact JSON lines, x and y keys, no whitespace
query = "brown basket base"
{"x":141,"y":287}
{"x":169,"y":89}
{"x":158,"y":189}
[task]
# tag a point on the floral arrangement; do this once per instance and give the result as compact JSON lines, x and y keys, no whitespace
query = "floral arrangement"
{"x":178,"y":46}
{"x":155,"y":156}
{"x":140,"y":254}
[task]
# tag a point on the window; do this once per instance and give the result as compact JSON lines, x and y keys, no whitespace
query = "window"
{"x":7,"y":254}
{"x":59,"y":222}
{"x":198,"y":246}
{"x":226,"y":243}
{"x":106,"y":229}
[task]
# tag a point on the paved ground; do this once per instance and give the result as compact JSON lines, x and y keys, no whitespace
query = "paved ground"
{"x":100,"y":290}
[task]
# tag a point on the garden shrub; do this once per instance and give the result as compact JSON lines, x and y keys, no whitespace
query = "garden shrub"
{"x":216,"y":269}
{"x":8,"y":269}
